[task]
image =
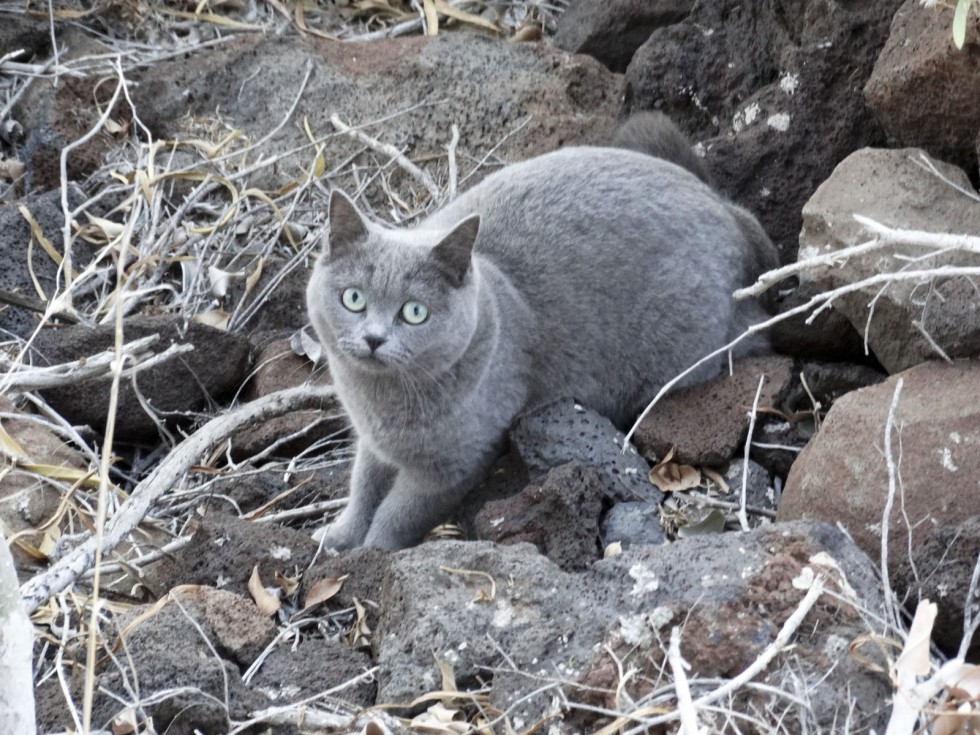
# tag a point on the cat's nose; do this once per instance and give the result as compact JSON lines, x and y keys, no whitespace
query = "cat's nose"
{"x":374,"y":341}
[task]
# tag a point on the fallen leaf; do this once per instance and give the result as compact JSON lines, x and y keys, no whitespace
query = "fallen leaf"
{"x":288,"y":585}
{"x":439,"y":719}
{"x":915,"y":655}
{"x":671,"y":478}
{"x":717,"y":478}
{"x":267,"y":603}
{"x":613,"y":549}
{"x":323,"y":591}
{"x":447,"y":673}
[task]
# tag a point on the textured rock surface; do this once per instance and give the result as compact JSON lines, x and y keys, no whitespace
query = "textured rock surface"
{"x":632,"y":524}
{"x":706,"y":423}
{"x":560,"y":516}
{"x":189,"y":382}
{"x":757,"y":84}
{"x":842,"y":476}
{"x":612,"y":30}
{"x":567,"y":432}
{"x":890,"y":186}
{"x":921,"y":62}
{"x":548,"y":622}
{"x":493,"y":87}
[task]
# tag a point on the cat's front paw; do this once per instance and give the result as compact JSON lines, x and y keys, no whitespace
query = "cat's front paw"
{"x":337,"y":535}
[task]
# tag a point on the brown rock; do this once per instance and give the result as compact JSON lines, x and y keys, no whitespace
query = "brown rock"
{"x":213,"y":370}
{"x":757,"y":85}
{"x":890,"y":186}
{"x":560,"y":516}
{"x":923,"y":90}
{"x":277,"y":368}
{"x":612,"y":30}
{"x":842,"y":476}
{"x":706,"y":423}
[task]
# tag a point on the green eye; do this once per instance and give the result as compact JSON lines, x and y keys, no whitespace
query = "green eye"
{"x":414,"y":313}
{"x":353,"y":299}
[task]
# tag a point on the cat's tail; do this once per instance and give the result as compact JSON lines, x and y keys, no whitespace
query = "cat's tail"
{"x":656,"y":135}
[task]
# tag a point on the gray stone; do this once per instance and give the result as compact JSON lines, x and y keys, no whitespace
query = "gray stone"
{"x":759,"y":494}
{"x":893,"y":188}
{"x":567,"y":432}
{"x":509,"y":611}
{"x":632,"y":523}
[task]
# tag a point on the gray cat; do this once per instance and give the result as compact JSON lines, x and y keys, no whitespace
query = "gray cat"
{"x":592,"y":273}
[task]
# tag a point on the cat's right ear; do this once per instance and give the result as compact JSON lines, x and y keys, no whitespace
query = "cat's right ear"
{"x":346,"y":225}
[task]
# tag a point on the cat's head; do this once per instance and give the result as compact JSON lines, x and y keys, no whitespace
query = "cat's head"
{"x":385,"y":299}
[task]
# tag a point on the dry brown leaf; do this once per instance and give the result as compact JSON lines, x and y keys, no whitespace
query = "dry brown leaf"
{"x":288,"y":585}
{"x":440,"y":720}
{"x":717,"y":478}
{"x":125,"y":723}
{"x":447,"y":673}
{"x":614,"y":549}
{"x":217,"y":318}
{"x":323,"y":591}
{"x":359,"y":635}
{"x":266,"y":603}
{"x":252,"y":279}
{"x":670,"y":477}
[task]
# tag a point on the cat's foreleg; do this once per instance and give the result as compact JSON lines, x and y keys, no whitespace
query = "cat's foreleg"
{"x":415,"y":505}
{"x":371,"y":481}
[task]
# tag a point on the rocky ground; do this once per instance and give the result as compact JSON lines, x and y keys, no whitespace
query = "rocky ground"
{"x":751,"y":562}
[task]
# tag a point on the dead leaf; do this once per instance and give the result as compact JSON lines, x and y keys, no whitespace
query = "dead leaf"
{"x":614,"y":549}
{"x":323,"y":591}
{"x":359,"y":635}
{"x":447,"y":673}
{"x":717,"y":478}
{"x":252,"y":280}
{"x":267,"y":603}
{"x":915,"y":655}
{"x":671,"y":478}
{"x":440,"y":720}
{"x":288,"y":585}
{"x":217,"y":318}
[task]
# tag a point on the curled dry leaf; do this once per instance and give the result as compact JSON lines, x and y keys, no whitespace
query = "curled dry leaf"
{"x":439,"y":720}
{"x":288,"y":585}
{"x":267,"y":603}
{"x":671,"y":478}
{"x":717,"y":478}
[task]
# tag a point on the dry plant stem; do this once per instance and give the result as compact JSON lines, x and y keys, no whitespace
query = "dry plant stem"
{"x":393,"y":153}
{"x":885,"y":237}
{"x":743,"y":517}
{"x":453,"y":168}
{"x":821,"y":301}
{"x":890,"y":613}
{"x":685,"y":706}
{"x":36,"y":591}
{"x":970,"y":620}
{"x":16,"y":642}
{"x":116,"y":367}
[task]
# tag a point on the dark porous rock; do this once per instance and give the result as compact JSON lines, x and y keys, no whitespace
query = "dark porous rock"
{"x":15,"y":236}
{"x":293,"y":673}
{"x":491,"y":89}
{"x":776,"y":444}
{"x":842,"y":475}
{"x":560,"y":516}
{"x":224,"y":550}
{"x":612,"y":30}
{"x":479,"y":607}
{"x":564,"y":432}
{"x":923,"y":89}
{"x":632,"y":523}
{"x":828,"y":381}
{"x":187,"y":383}
{"x":910,"y":317}
{"x":944,"y":564}
{"x":278,"y":367}
{"x":283,"y":297}
{"x":182,"y":648}
{"x":706,"y":423}
{"x":756,"y":86}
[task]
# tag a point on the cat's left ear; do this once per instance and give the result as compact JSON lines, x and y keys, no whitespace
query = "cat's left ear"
{"x":454,"y":252}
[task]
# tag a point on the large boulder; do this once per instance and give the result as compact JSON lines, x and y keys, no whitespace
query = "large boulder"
{"x":842,"y":475}
{"x":923,"y":89}
{"x":758,"y":83}
{"x":905,"y":321}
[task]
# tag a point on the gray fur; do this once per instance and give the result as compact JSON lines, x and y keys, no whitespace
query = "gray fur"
{"x":595,"y":273}
{"x":656,"y":135}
